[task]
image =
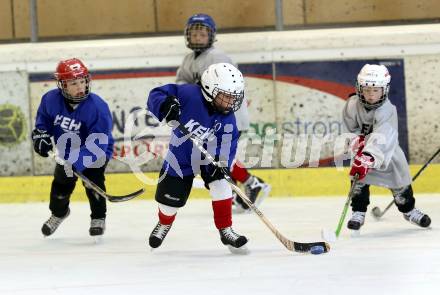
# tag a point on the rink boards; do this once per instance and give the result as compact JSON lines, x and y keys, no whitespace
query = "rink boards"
{"x":285,"y":183}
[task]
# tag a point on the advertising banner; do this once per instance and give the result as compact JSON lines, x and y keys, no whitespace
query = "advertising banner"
{"x":295,"y":112}
{"x":15,"y":143}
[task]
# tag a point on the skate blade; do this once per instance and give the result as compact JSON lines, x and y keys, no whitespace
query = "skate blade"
{"x":243,"y":250}
{"x":264,"y":195}
{"x":97,"y":239}
{"x":355,"y":233}
{"x":328,"y":235}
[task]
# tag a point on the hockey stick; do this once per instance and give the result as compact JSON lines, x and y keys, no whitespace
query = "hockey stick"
{"x":377,"y":213}
{"x":332,"y":236}
{"x":90,"y":184}
{"x":347,"y":203}
{"x":290,"y":245}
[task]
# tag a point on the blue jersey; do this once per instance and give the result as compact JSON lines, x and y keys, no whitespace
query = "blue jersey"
{"x":90,"y":123}
{"x":218,"y":131}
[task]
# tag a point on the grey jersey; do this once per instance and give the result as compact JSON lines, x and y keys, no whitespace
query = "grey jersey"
{"x":380,"y":127}
{"x":192,"y":67}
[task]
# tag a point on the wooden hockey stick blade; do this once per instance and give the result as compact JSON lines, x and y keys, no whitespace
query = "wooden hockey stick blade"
{"x":290,"y":245}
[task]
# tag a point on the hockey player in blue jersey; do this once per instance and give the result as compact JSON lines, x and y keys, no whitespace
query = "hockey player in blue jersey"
{"x":207,"y":111}
{"x":80,"y":123}
{"x":200,"y":34}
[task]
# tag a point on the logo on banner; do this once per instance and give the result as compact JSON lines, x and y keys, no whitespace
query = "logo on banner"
{"x":12,"y":125}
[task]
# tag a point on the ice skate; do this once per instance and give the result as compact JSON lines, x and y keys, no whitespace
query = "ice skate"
{"x":417,"y":217}
{"x":356,"y":221}
{"x":236,"y":243}
{"x":97,"y":229}
{"x":238,"y":206}
{"x":256,"y":190}
{"x":51,"y":225}
{"x":158,"y":235}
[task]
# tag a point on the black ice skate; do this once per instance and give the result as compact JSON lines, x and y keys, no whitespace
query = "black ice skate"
{"x":356,"y":220}
{"x":417,"y":217}
{"x":51,"y":225}
{"x":235,"y":242}
{"x":97,"y":227}
{"x":158,"y":235}
{"x":256,"y":190}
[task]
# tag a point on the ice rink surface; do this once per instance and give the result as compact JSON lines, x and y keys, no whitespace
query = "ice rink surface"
{"x":391,"y":256}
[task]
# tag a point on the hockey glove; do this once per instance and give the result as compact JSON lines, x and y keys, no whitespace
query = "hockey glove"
{"x":42,"y":142}
{"x":361,"y":165}
{"x":211,"y":173}
{"x":170,"y":109}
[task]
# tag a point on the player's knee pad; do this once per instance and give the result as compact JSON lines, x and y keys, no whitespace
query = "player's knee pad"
{"x":220,"y":190}
{"x":404,"y":198}
{"x":61,"y":189}
{"x":211,"y":173}
{"x":174,"y":191}
{"x":361,"y":190}
{"x":361,"y":197}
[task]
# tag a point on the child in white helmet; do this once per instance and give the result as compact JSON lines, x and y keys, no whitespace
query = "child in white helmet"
{"x":207,"y":111}
{"x":379,"y":159}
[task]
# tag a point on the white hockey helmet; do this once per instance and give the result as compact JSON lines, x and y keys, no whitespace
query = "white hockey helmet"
{"x":223,"y":87}
{"x":373,"y":76}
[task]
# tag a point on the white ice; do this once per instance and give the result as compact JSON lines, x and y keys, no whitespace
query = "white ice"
{"x":391,"y":256}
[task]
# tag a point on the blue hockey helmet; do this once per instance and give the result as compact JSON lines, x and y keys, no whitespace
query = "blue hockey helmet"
{"x":198,"y":22}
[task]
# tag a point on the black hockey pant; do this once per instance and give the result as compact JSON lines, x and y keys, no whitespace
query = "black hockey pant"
{"x":63,"y":186}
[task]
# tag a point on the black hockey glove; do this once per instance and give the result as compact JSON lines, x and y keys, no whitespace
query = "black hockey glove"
{"x":211,"y":173}
{"x":170,"y":109}
{"x":42,"y":142}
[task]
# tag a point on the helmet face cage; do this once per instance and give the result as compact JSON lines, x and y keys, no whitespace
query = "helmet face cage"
{"x":372,"y":75}
{"x":225,"y":101}
{"x":62,"y":85}
{"x":365,"y":103}
{"x":197,"y":27}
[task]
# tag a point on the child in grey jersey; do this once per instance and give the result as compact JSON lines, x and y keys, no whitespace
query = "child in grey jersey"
{"x":379,"y":160}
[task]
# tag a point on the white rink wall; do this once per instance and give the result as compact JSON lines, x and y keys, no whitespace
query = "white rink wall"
{"x":417,"y":45}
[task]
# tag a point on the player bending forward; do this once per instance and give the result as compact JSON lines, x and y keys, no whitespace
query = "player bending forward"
{"x":200,"y":34}
{"x":207,"y":111}
{"x":72,"y":111}
{"x":379,"y":159}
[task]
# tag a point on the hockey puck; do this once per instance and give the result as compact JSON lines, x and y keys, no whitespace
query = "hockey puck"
{"x":376,"y":212}
{"x":317,"y":250}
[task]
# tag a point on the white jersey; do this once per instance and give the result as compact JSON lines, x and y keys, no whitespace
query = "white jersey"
{"x":192,"y":67}
{"x":380,"y":127}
